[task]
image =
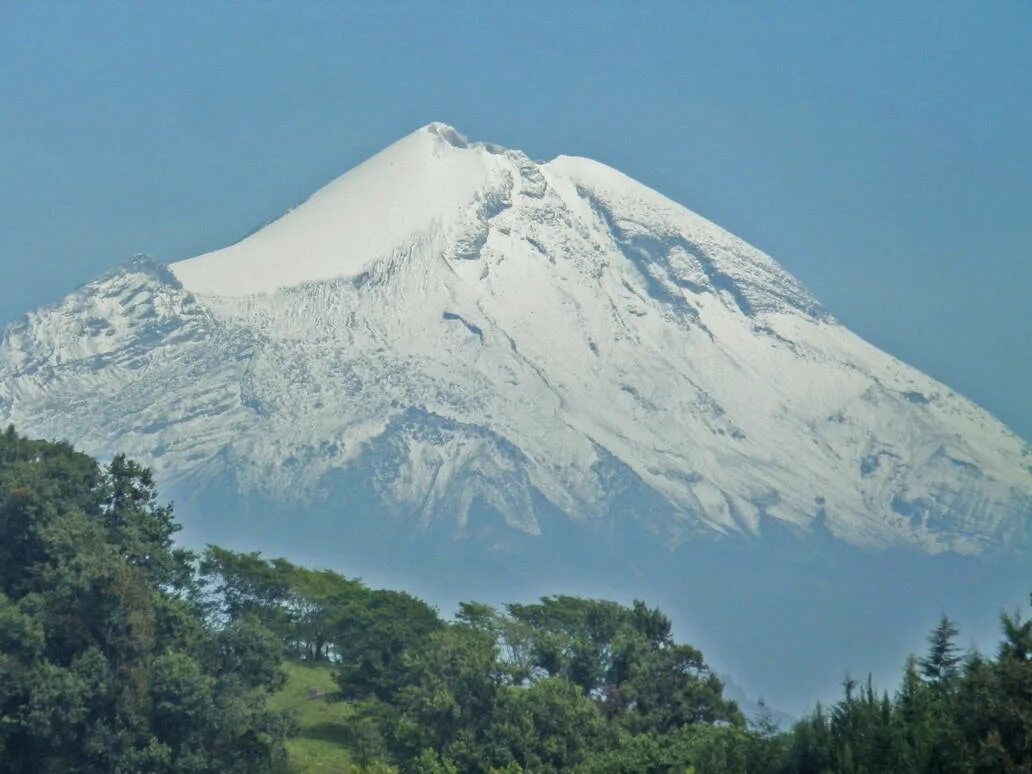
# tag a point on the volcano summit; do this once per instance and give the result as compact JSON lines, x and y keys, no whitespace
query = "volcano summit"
{"x":467,"y":331}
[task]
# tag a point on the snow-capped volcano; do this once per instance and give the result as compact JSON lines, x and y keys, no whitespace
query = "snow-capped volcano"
{"x":469,"y":328}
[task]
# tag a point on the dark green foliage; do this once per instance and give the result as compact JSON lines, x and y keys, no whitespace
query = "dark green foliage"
{"x":121,"y":653}
{"x":951,"y":714}
{"x":375,"y":632}
{"x":319,"y":615}
{"x":548,"y":726}
{"x":623,"y":657}
{"x":106,"y":661}
{"x":940,"y":665}
{"x":713,"y":749}
{"x":540,"y":687}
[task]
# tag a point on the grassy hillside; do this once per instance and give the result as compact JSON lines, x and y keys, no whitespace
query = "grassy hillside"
{"x":321,"y":744}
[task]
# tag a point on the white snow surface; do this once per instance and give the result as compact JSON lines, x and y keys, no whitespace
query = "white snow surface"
{"x":422,"y":182}
{"x":473,"y":327}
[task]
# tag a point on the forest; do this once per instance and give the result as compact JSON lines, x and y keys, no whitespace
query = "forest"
{"x":122,"y":652}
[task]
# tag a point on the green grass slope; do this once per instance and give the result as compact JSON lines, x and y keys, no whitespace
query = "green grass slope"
{"x":321,"y":744}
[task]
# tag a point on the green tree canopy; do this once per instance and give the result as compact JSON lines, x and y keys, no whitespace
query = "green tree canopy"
{"x":107,"y":662}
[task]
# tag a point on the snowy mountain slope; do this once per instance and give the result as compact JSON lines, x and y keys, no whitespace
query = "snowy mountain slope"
{"x":476,"y":328}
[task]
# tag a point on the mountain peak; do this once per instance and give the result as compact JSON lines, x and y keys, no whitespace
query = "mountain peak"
{"x":446,"y":133}
{"x":462,"y":325}
{"x":420,"y":184}
{"x":434,"y":193}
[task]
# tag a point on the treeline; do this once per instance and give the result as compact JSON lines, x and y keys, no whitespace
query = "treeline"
{"x":559,"y":685}
{"x":593,"y":686}
{"x":121,"y":653}
{"x":953,"y":712}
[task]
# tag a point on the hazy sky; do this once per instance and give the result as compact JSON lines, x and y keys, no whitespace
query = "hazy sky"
{"x":881,"y":152}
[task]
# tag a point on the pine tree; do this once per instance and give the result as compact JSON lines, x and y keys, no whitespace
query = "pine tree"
{"x":941,"y":664}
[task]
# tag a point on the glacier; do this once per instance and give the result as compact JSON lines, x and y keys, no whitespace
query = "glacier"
{"x":477,"y":331}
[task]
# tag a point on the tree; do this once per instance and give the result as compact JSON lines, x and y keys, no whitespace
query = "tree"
{"x":379,"y":637}
{"x":107,"y":662}
{"x":550,"y":726}
{"x":940,"y":665}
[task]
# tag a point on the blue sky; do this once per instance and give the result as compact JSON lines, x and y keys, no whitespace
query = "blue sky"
{"x":882,"y":152}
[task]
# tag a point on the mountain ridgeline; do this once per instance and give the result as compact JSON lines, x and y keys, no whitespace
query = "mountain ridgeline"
{"x":455,"y":365}
{"x":473,"y":327}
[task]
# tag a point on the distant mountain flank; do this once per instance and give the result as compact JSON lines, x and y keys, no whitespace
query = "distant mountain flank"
{"x":466,"y":330}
